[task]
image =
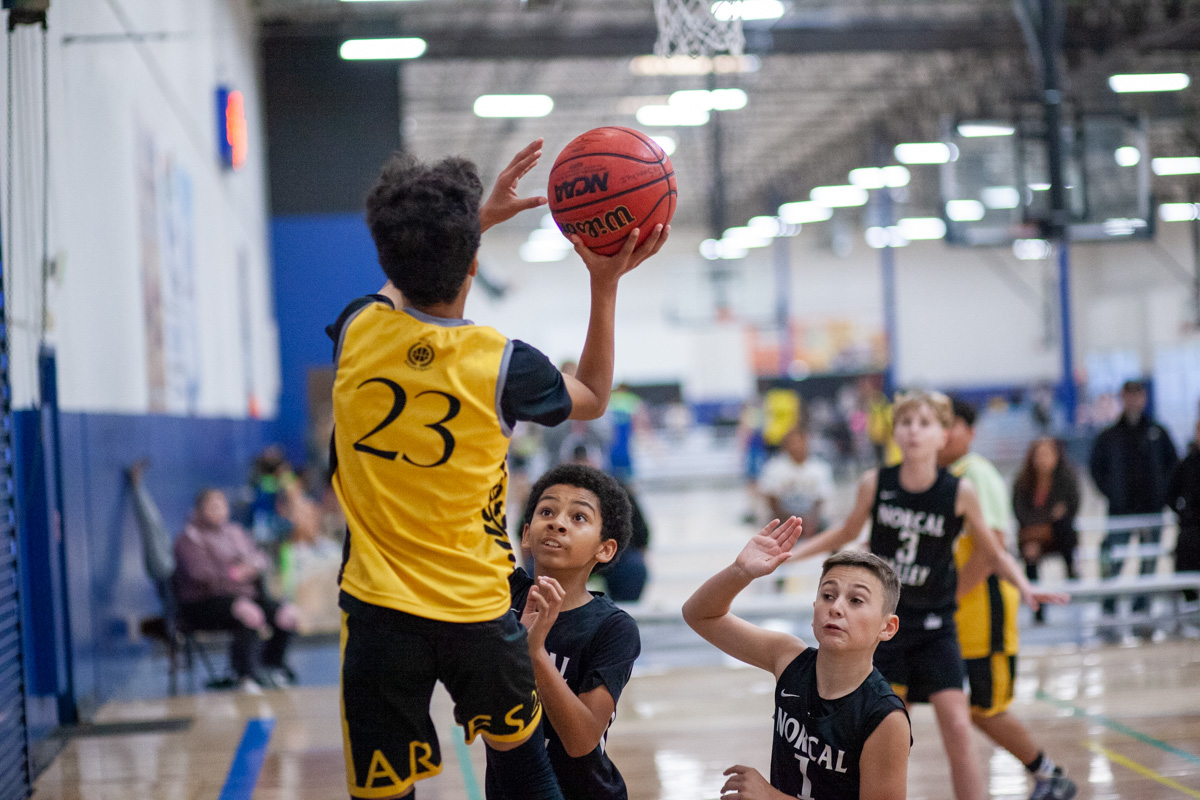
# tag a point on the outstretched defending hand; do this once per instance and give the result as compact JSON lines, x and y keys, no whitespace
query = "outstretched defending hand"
{"x":770,"y":547}
{"x":542,"y":605}
{"x":611,"y":268}
{"x":503,"y":203}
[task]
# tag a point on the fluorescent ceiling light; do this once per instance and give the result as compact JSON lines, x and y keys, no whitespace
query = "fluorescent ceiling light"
{"x":914,"y":228}
{"x":1187,"y":165}
{"x":839,"y":196}
{"x":879,"y":177}
{"x":513,"y":105}
{"x":804,"y":211}
{"x":666,"y":143}
{"x":1123,"y":226}
{"x":686,"y":65}
{"x":965,"y":210}
{"x":1001,"y":197}
{"x":1154,"y":82}
{"x":715,"y":100}
{"x":710,"y":249}
{"x":672,"y":116}
{"x":745,"y":237}
{"x":1031,"y":249}
{"x":1127,"y":156}
{"x":975,"y":130}
{"x":1039,"y":187}
{"x":726,"y":10}
{"x":535,"y":252}
{"x":1178,"y":212}
{"x":374,"y":49}
{"x":925,"y":153}
{"x":765,"y":226}
{"x":896,"y":176}
{"x":885,"y":237}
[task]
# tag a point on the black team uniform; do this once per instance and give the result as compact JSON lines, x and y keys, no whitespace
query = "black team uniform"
{"x":915,"y":534}
{"x":593,"y":645}
{"x":817,"y":743}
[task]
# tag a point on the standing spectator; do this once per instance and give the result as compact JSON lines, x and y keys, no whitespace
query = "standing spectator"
{"x":1183,"y":496}
{"x":796,"y":484}
{"x":1131,"y":462}
{"x":626,"y":413}
{"x":219,"y":583}
{"x":1046,"y":501}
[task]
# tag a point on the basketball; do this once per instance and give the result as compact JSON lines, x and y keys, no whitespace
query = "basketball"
{"x":607,"y":182}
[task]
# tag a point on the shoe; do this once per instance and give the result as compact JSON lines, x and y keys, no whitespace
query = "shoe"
{"x":248,"y":685}
{"x":1057,"y":787}
{"x":281,"y":677}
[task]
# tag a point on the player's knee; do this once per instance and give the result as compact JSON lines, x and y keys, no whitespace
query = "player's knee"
{"x":502,"y":746}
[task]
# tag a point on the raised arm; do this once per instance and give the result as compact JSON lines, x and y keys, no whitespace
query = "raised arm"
{"x":579,"y":720}
{"x":849,"y":530}
{"x":504,"y":203}
{"x":592,"y":382}
{"x":707,"y":610}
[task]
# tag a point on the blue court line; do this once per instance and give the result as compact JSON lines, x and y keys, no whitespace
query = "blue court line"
{"x":248,"y":760}
{"x":1112,"y":724}
{"x":470,"y":782}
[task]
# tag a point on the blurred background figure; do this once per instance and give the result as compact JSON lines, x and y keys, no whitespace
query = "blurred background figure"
{"x":1131,"y":463}
{"x":1046,"y":502}
{"x":625,"y":580}
{"x":219,"y":584}
{"x":796,"y":483}
{"x":626,"y":415}
{"x":280,"y":508}
{"x":1183,"y":496}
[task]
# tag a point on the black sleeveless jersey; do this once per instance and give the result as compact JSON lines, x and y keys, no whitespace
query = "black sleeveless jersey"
{"x":817,"y":743}
{"x":915,"y":533}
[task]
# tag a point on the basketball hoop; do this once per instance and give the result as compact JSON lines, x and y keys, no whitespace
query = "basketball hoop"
{"x":688,"y":28}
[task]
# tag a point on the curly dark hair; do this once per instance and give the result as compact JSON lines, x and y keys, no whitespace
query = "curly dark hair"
{"x":424,"y":219}
{"x":616,"y":514}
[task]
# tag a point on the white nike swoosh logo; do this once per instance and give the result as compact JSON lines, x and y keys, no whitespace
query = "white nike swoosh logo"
{"x":786,"y":694}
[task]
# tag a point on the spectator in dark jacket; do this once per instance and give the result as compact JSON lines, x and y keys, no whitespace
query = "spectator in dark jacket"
{"x":1131,"y":462}
{"x":1183,"y":496}
{"x":1045,"y":502}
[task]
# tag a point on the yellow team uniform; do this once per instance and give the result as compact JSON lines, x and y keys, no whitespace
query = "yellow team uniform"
{"x":421,"y":468}
{"x":987,"y":615}
{"x":781,"y":414}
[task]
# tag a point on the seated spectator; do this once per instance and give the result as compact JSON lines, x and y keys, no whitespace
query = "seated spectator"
{"x":796,"y":484}
{"x":1046,"y":501}
{"x":219,"y":585}
{"x":1183,"y":496}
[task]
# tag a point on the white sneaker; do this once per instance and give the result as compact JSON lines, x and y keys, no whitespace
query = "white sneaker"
{"x":249,"y":686}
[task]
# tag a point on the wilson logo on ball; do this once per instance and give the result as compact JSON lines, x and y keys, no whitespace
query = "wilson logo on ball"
{"x":584,"y":184}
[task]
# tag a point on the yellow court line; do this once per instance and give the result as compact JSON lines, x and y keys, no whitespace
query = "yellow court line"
{"x":1141,"y":769}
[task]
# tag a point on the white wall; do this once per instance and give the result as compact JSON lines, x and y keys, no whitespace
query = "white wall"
{"x":965,"y":316}
{"x":124,"y":110}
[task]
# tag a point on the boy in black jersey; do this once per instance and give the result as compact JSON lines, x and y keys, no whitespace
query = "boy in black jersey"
{"x":424,"y":403}
{"x":582,"y":645}
{"x":841,"y":733}
{"x":916,"y":512}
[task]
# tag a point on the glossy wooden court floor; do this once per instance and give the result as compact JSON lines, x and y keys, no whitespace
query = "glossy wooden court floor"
{"x":1124,"y":720}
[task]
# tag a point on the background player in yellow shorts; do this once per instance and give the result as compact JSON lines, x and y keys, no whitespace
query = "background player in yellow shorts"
{"x":424,"y":403}
{"x":987,"y":617}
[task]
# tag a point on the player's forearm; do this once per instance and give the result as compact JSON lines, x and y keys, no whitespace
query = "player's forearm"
{"x":595,"y":370}
{"x":714,"y":597}
{"x":573,"y":721}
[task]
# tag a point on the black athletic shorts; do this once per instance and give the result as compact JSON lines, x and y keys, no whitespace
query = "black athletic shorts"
{"x":390,"y":663}
{"x":923,"y":657}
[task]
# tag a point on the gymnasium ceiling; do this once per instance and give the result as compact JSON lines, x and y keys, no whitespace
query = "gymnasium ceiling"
{"x":838,"y":81}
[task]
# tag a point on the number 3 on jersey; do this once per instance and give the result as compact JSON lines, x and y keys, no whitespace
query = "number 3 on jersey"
{"x":399,"y":400}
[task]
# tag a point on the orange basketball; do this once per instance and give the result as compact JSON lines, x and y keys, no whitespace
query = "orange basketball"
{"x":607,"y":182}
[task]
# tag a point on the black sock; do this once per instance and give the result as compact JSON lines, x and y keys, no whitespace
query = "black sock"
{"x":525,"y":770}
{"x":1042,"y":766}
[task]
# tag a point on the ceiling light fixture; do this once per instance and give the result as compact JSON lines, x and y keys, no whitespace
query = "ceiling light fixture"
{"x":925,"y":153}
{"x":1186,"y":165}
{"x":513,"y":105}
{"x":381,"y":49}
{"x":666,"y":116}
{"x":1151,"y":82}
{"x":839,"y":196}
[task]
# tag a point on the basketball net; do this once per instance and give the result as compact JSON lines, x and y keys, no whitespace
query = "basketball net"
{"x":688,"y":28}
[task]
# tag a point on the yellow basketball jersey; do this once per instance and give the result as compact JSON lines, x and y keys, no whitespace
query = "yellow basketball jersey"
{"x":421,"y":472}
{"x":987,"y":615}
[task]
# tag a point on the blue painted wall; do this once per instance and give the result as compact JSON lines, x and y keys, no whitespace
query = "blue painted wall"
{"x":107,"y":587}
{"x":321,"y":263}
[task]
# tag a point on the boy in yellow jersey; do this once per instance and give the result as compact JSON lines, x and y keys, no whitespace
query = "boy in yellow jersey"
{"x":424,"y":402}
{"x":987,"y":617}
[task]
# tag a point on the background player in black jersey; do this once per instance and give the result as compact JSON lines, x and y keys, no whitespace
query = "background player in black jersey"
{"x":582,"y":645}
{"x":424,"y":403}
{"x":916,"y":512}
{"x":841,"y":733}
